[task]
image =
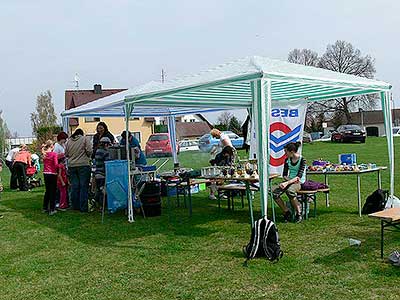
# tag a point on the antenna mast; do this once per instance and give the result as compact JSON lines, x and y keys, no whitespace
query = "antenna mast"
{"x":76,"y":80}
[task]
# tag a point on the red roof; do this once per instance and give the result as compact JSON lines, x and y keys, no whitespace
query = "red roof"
{"x":191,"y":129}
{"x":75,"y":98}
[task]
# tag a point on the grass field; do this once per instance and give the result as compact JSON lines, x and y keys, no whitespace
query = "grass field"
{"x":73,"y":256}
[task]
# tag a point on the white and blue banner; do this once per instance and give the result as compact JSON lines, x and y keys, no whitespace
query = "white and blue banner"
{"x":286,"y":126}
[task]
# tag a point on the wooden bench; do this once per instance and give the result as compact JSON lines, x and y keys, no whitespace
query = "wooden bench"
{"x":230,"y":189}
{"x":389,"y":218}
{"x":306,"y":197}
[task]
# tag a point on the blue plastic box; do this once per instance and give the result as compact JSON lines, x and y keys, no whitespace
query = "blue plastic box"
{"x":348,"y":158}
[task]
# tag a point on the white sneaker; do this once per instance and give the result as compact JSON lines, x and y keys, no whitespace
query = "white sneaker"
{"x":52,"y":212}
{"x":212,"y":197}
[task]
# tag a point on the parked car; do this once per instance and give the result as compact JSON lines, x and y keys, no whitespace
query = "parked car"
{"x":348,"y":133}
{"x":188,"y":145}
{"x":324,"y":138}
{"x":206,"y":142}
{"x":159,"y":144}
{"x":306,"y":137}
{"x":396,"y":131}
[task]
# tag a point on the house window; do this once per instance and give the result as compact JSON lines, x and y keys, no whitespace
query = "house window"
{"x":137,"y":135}
{"x":134,"y":118}
{"x":91,"y":119}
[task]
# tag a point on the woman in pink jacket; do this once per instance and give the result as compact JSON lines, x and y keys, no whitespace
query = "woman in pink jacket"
{"x":50,"y":172}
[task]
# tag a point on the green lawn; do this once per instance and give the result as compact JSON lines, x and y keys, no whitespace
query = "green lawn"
{"x":74,"y":256}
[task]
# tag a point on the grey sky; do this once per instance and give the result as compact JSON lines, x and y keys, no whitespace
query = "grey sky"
{"x":125,"y":43}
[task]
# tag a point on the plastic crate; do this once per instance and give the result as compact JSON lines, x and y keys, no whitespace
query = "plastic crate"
{"x":348,"y":158}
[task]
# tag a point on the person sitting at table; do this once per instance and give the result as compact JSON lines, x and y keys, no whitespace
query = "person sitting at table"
{"x":294,"y":175}
{"x":140,"y":158}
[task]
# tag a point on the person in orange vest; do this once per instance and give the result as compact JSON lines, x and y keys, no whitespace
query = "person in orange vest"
{"x":22,"y":159}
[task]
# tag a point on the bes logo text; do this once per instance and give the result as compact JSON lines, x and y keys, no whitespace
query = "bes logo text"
{"x":284,"y":112}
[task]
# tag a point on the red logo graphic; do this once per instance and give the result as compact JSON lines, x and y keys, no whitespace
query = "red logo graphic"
{"x":278,"y":126}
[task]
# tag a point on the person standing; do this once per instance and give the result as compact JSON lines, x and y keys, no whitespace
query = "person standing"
{"x":62,"y":182}
{"x":224,"y":155}
{"x":50,"y":171}
{"x":101,"y":131}
{"x":22,"y":159}
{"x":78,"y":151}
{"x":9,"y":163}
{"x":59,"y":147}
{"x":101,"y":156}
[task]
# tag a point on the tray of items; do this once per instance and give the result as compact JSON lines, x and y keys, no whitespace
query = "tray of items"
{"x":241,"y":170}
{"x":326,"y":166}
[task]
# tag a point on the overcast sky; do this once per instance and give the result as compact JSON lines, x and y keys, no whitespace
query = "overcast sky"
{"x":121,"y":44}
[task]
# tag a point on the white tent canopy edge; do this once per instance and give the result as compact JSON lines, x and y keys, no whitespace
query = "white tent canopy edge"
{"x":250,"y":83}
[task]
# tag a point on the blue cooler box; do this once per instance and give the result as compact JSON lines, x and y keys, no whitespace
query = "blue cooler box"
{"x":348,"y":158}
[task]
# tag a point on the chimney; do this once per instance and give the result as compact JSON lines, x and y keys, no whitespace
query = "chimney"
{"x":97,"y":88}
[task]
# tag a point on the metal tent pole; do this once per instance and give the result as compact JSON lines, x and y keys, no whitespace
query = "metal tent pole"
{"x":172,"y":135}
{"x":262,"y":120}
{"x":387,"y":113}
{"x":128,"y":110}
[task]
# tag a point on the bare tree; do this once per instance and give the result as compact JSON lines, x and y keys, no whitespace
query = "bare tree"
{"x":45,"y":115}
{"x":340,"y":57}
{"x":224,"y":119}
{"x":344,"y":58}
{"x":303,"y":57}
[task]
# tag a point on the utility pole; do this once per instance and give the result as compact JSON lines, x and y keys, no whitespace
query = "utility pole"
{"x":162,"y":76}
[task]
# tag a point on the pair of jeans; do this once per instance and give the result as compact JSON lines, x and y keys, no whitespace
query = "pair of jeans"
{"x":13,"y":175}
{"x":20,"y":172}
{"x":49,"y":200}
{"x":79,"y":177}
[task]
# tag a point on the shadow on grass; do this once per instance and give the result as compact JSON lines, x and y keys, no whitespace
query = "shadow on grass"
{"x":87,"y":228}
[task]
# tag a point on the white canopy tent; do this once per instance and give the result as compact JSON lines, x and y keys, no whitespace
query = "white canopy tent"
{"x":251,"y":83}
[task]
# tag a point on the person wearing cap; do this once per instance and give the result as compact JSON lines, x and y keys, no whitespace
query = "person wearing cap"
{"x":59,"y":147}
{"x":140,"y":158}
{"x":22,"y":159}
{"x":102,"y":155}
{"x":101,"y":131}
{"x":78,"y":151}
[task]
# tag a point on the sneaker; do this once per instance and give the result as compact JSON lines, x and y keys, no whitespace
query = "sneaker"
{"x":394,"y":257}
{"x":299,"y":218}
{"x":61,"y":209}
{"x":212,"y":197}
{"x":45,"y":211}
{"x":287,"y":216}
{"x":52,"y":212}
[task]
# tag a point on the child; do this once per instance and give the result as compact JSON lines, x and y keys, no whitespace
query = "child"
{"x":294,"y":174}
{"x":102,"y":155}
{"x":62,"y":182}
{"x":50,"y":172}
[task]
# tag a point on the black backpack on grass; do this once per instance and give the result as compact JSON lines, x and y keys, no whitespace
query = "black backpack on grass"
{"x":375,"y":202}
{"x":264,"y":241}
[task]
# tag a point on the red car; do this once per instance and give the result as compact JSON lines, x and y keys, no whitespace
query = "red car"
{"x":159,"y":144}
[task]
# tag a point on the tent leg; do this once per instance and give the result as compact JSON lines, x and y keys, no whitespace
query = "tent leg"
{"x":387,"y":114}
{"x":172,"y":135}
{"x":128,"y":110}
{"x":262,"y":100}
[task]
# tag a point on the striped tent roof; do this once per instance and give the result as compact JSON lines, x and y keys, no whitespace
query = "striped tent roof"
{"x":227,"y":86}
